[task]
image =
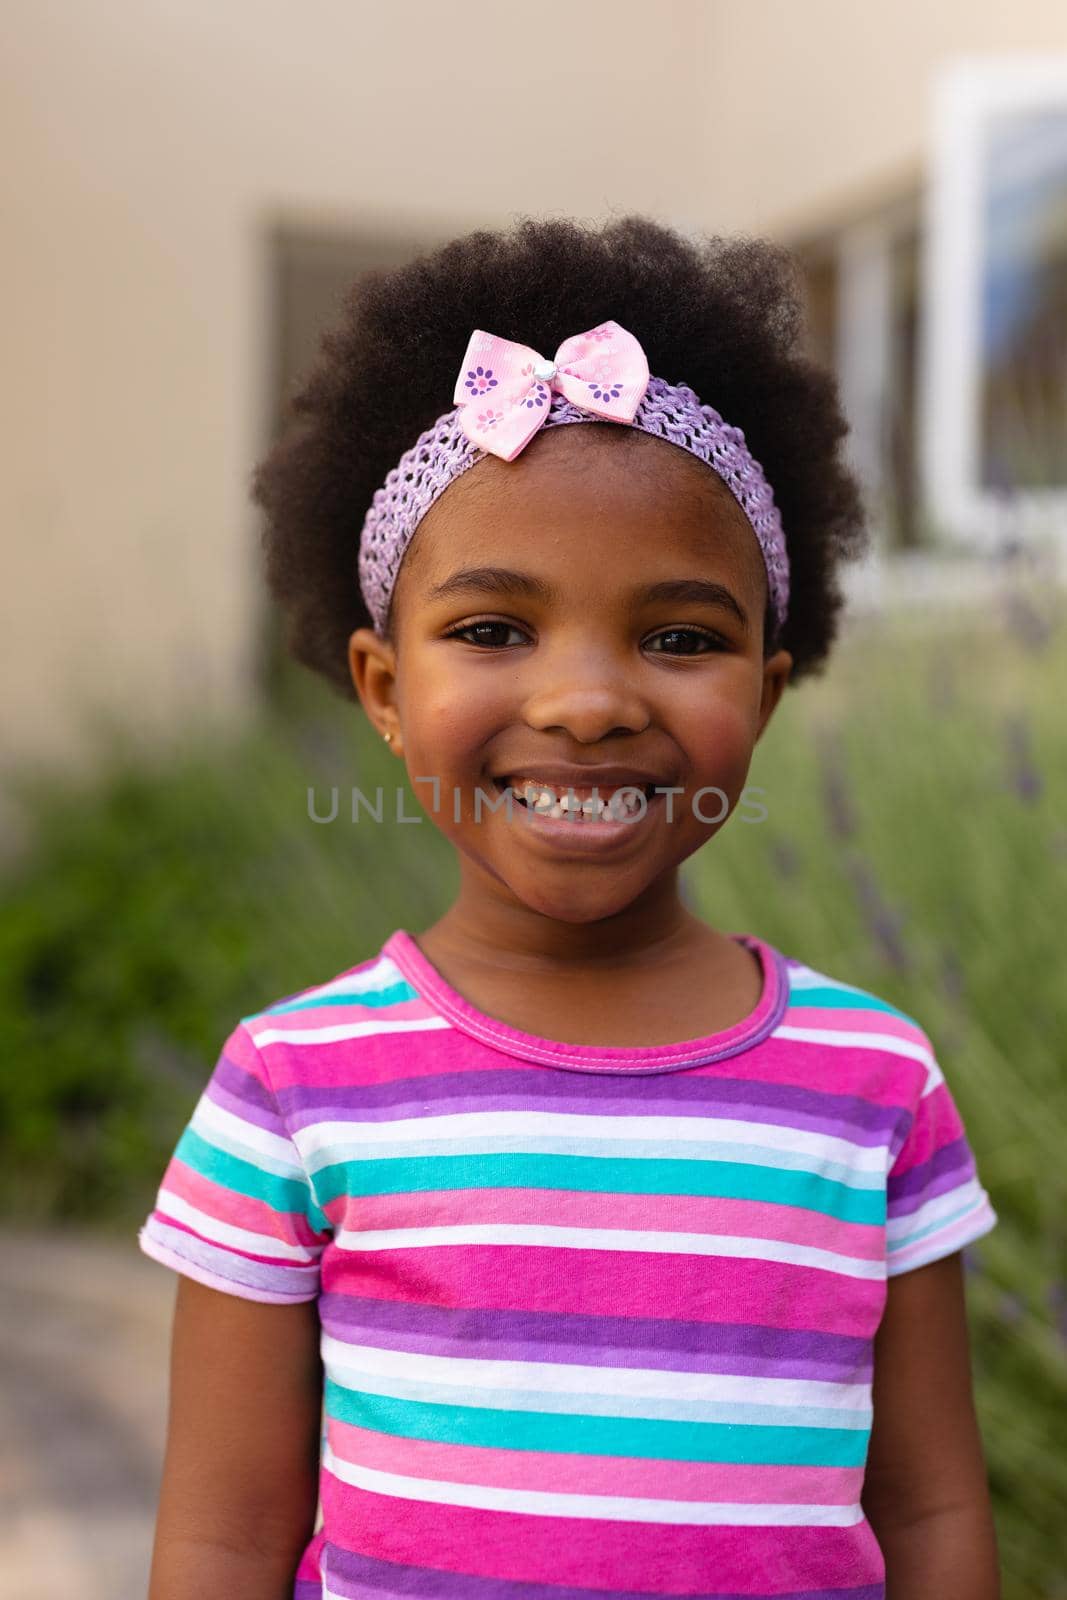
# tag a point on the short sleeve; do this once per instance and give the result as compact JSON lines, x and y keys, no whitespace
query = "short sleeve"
{"x":236,"y":1209}
{"x":935,"y":1201}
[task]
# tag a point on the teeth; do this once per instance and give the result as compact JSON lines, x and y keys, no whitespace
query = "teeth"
{"x":542,"y":799}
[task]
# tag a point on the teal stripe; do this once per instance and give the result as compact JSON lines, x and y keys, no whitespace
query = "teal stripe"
{"x":567,"y":1434}
{"x":842,"y":1000}
{"x":247,"y":1178}
{"x":623,"y":1152}
{"x":934,"y":1227}
{"x":393,"y":995}
{"x":726,"y":1180}
{"x":735,"y":1412}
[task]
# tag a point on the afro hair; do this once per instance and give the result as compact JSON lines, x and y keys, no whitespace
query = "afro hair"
{"x":722,"y":314}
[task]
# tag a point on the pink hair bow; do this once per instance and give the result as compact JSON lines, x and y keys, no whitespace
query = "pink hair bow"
{"x":504,"y":389}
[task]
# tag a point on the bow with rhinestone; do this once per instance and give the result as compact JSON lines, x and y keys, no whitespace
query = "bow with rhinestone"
{"x":504,"y":389}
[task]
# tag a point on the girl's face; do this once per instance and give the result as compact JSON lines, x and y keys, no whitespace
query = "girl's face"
{"x":597,"y":602}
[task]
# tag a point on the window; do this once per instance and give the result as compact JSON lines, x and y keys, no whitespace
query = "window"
{"x":994,"y":429}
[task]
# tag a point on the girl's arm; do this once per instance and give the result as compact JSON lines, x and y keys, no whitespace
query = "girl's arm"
{"x":240,"y":1476}
{"x":925,"y":1493}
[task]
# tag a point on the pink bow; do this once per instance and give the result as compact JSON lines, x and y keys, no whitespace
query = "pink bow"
{"x":504,"y":389}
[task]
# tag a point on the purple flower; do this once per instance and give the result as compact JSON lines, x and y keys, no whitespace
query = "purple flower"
{"x":785,"y":858}
{"x":604,"y":389}
{"x":480,"y":380}
{"x":1024,"y":777}
{"x":952,"y":975}
{"x":883,"y":923}
{"x":1057,"y":1305}
{"x":972,"y":1260}
{"x":1026,"y":622}
{"x":841,"y":815}
{"x":535,"y":397}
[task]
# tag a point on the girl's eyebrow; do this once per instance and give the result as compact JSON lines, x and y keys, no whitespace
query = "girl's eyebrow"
{"x":505,"y":581}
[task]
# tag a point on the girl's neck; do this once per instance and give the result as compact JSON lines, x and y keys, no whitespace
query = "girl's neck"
{"x":485,"y":926}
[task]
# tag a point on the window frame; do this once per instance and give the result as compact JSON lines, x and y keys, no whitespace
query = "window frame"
{"x":967,"y":96}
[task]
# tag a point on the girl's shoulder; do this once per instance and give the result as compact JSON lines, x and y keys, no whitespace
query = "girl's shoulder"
{"x":827,"y":1012}
{"x":812,"y":988}
{"x":365,"y":988}
{"x":373,"y":996}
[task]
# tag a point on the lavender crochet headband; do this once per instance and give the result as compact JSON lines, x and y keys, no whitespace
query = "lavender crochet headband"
{"x":507,"y":392}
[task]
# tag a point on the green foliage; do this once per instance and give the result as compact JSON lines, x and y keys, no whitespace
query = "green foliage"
{"x":158,"y":906}
{"x":915,"y":844}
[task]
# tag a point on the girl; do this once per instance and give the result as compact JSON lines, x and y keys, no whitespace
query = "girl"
{"x":571,"y":1247}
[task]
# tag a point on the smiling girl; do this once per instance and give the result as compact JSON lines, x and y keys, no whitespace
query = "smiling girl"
{"x":571,"y":1247}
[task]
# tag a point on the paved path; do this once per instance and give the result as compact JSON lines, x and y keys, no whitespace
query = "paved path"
{"x":84,"y":1355}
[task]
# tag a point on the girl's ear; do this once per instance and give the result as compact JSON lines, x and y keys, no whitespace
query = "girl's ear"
{"x":776,"y":670}
{"x":372,"y":663}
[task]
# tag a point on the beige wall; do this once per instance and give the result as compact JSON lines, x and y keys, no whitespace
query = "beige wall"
{"x":150,"y":146}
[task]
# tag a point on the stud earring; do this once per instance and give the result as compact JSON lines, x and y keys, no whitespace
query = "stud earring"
{"x":388,"y":738}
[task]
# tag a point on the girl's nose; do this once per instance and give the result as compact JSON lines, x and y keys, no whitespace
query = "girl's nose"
{"x":587,"y":699}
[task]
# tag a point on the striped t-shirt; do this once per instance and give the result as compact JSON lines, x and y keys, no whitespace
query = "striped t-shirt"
{"x":595,"y":1321}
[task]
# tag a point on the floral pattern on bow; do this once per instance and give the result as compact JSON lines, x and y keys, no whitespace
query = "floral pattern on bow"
{"x":603,"y":371}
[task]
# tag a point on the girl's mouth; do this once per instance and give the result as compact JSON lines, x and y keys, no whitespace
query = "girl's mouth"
{"x":601,"y":806}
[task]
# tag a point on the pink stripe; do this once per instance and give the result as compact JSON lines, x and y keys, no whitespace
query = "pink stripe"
{"x":239,"y":1210}
{"x":241,"y":1050}
{"x":592,"y":1554}
{"x":426,"y":1052}
{"x":937,"y":1123}
{"x":839,"y":1019}
{"x":592,"y":1474}
{"x":644,"y":1284}
{"x":946,"y":1240}
{"x":310,"y":1567}
{"x":892,"y":1081}
{"x":344,"y":1012}
{"x":666,"y":1213}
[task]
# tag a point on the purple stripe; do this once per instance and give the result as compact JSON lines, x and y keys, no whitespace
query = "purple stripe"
{"x":951,"y":1161}
{"x":255,"y":1116}
{"x":245,"y":1088}
{"x":737,"y":1348}
{"x":357,"y":1577}
{"x":786,"y":1105}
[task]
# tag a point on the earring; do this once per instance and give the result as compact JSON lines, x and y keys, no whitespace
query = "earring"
{"x":388,"y":738}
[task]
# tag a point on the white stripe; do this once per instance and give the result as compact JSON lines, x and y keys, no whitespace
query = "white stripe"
{"x":232,"y":1133}
{"x":623,"y":1508}
{"x":346,"y":1030}
{"x":224,"y":1233}
{"x":748,"y":1155}
{"x":383,"y":975}
{"x":944,"y":1241}
{"x":558,"y":1377}
{"x":720,"y":1413}
{"x":934,"y":1211}
{"x":808,"y":978}
{"x":849,"y":1040}
{"x":671,"y":1133}
{"x":618,"y":1239}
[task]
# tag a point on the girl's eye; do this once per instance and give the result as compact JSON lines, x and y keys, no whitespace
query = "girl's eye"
{"x":488,"y":633}
{"x":711,"y":640}
{"x":484,"y":629}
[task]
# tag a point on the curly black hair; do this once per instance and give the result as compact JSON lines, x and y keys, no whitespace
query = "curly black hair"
{"x":724,"y":315}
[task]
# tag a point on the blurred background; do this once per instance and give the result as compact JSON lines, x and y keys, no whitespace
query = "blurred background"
{"x":188,"y":191}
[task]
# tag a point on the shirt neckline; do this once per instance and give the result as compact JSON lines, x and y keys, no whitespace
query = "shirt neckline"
{"x":449,"y":1003}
